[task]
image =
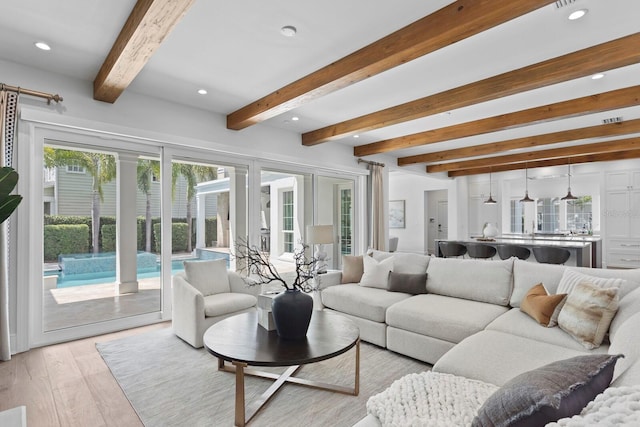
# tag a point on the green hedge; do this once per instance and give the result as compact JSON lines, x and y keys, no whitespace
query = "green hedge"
{"x":178,"y":237}
{"x":108,"y":232}
{"x":107,"y":243}
{"x":65,"y":239}
{"x":78,"y":219}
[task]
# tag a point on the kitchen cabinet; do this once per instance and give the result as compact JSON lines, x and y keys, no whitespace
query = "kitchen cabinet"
{"x":622,"y":219}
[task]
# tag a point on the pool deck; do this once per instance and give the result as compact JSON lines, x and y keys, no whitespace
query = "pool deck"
{"x":81,"y":305}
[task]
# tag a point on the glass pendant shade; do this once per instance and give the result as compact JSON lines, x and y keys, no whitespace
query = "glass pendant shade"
{"x":526,"y":197}
{"x":569,"y":196}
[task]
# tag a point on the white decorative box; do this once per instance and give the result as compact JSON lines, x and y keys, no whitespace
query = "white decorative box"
{"x":265,"y":317}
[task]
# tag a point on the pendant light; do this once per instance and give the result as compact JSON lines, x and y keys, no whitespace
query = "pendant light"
{"x":526,"y":197}
{"x":490,"y":200}
{"x":569,"y":196}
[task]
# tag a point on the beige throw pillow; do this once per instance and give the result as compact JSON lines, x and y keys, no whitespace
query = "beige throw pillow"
{"x":209,"y":277}
{"x":541,"y":306}
{"x":352,"y":268}
{"x":376,"y":274}
{"x":587,"y":314}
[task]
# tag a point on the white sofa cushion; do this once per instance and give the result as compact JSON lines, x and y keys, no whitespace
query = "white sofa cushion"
{"x":407,"y":263}
{"x":446,"y":318}
{"x":628,"y":306}
{"x":496,"y":357}
{"x":626,"y":342}
{"x":209,"y":277}
{"x":360,"y":301}
{"x":477,"y":280}
{"x":376,"y":273}
{"x":226,"y":303}
{"x":518,"y":323}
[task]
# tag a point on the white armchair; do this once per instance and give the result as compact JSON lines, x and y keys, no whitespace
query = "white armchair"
{"x":194,"y":311}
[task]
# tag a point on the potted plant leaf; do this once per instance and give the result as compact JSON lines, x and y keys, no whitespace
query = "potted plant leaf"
{"x":8,"y":202}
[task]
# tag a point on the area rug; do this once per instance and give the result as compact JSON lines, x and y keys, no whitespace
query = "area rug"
{"x":169,"y":383}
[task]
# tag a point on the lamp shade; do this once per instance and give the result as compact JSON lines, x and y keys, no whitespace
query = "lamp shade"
{"x":319,"y":234}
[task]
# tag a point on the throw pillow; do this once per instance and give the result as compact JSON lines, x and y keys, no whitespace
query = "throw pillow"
{"x":557,"y":390}
{"x":352,"y":268}
{"x":541,"y":306}
{"x":571,"y":278}
{"x":587,"y":314}
{"x":209,"y":277}
{"x":376,"y":274}
{"x":408,"y":283}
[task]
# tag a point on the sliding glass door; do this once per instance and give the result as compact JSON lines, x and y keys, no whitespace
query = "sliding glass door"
{"x":100,"y":261}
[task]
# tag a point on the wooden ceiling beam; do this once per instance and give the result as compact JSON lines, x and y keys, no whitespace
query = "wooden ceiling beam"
{"x":612,"y":129}
{"x":454,"y":22}
{"x":148,"y":24}
{"x":564,"y":152}
{"x":621,"y":98}
{"x":586,"y":158}
{"x":606,"y":56}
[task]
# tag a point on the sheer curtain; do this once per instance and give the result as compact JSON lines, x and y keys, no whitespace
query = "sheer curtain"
{"x":8,"y":110}
{"x":377,"y":208}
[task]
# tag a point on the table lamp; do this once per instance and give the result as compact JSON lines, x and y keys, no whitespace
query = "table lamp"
{"x":320,"y":235}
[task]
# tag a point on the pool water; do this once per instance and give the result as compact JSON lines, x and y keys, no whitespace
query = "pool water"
{"x":71,"y":280}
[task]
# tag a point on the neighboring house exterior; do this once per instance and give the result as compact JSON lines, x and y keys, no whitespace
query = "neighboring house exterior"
{"x":67,"y":191}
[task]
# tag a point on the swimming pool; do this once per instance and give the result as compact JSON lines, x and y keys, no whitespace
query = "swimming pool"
{"x":100,"y":277}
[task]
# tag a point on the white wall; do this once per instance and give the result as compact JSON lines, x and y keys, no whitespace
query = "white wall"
{"x":411,"y":188}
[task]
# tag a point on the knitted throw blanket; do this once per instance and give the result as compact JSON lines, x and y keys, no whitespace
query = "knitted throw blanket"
{"x":430,"y":399}
{"x":616,"y":406}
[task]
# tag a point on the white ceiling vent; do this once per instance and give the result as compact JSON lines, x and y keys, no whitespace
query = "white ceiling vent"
{"x":612,"y":120}
{"x":564,"y":3}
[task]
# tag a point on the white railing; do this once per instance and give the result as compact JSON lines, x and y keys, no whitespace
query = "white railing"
{"x":49,"y":175}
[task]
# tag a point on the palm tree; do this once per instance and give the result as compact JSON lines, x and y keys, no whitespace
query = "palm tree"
{"x":193,"y":174}
{"x":147,"y":169}
{"x":101,"y":167}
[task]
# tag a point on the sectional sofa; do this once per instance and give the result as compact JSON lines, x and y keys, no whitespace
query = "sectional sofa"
{"x":467,"y":320}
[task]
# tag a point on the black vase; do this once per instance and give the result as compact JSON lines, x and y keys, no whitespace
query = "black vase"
{"x":292,"y":313}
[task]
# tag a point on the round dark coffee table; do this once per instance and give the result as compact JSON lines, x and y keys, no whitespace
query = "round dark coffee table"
{"x":243,"y":342}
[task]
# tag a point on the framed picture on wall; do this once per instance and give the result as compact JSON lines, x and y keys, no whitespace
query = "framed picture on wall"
{"x":396,"y":213}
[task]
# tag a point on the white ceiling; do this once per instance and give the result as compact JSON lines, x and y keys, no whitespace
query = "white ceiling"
{"x":235,"y":51}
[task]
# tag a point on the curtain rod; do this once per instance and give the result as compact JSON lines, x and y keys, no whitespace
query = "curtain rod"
{"x":369,"y":162}
{"x":48,"y":96}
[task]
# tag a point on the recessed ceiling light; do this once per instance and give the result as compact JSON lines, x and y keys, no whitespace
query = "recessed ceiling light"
{"x":295,"y":118}
{"x":577,"y":14}
{"x":42,"y":46}
{"x":356,"y":136}
{"x":597,"y":76}
{"x":288,"y":31}
{"x":202,"y":91}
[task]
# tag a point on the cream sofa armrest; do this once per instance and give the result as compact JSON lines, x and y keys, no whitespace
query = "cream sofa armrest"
{"x":188,"y":311}
{"x":186,"y":298}
{"x":330,"y":278}
{"x":238,"y":285}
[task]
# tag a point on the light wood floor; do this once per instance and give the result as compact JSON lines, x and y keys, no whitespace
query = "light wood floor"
{"x":68,"y":385}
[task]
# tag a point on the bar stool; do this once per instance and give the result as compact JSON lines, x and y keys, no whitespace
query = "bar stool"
{"x":480,"y":250}
{"x":551,"y":255}
{"x":452,"y":249}
{"x":507,"y":251}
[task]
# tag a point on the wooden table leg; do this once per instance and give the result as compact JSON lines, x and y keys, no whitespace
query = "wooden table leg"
{"x":356,"y":387}
{"x":240,"y":418}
